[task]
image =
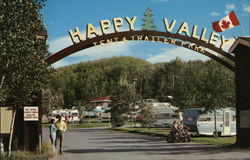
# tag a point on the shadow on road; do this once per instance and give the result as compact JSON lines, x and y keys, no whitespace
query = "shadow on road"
{"x":167,"y":149}
{"x":154,"y":145}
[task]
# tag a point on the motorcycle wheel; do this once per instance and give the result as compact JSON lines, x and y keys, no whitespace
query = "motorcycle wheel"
{"x":168,"y":139}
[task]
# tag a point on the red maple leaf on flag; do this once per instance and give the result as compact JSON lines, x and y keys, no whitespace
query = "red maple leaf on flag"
{"x":225,"y":24}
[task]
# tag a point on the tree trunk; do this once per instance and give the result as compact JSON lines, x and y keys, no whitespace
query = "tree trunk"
{"x":215,"y":125}
{"x":1,"y":85}
{"x":11,"y":132}
{"x":2,"y":80}
{"x":3,"y":77}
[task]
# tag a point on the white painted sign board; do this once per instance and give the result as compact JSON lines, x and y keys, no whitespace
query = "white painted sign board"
{"x":31,"y":113}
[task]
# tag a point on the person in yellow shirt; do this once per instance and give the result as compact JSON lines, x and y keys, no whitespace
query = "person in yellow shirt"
{"x":61,"y":127}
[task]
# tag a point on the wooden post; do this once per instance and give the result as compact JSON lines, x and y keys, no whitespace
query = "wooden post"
{"x":32,"y":130}
{"x":241,"y":49}
{"x":39,"y":122}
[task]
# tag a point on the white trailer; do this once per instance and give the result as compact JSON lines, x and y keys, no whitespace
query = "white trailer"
{"x":203,"y":123}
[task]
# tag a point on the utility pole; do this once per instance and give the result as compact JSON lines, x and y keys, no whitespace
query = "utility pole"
{"x":173,"y":84}
{"x":134,"y":82}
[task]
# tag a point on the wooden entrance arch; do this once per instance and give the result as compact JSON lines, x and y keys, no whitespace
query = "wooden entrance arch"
{"x":152,"y":36}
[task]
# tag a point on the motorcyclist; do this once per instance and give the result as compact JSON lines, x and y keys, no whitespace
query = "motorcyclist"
{"x":174,"y":129}
{"x":182,"y":126}
{"x":184,"y":130}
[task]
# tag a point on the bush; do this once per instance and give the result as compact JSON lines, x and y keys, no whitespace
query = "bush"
{"x":46,"y":154}
{"x":47,"y":150}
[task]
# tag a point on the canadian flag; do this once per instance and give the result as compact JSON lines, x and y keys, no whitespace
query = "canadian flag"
{"x":227,"y":22}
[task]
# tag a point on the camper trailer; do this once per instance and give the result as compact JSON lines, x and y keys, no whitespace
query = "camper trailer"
{"x":203,"y":123}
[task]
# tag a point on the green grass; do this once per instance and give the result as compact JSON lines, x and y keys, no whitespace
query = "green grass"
{"x":220,"y":141}
{"x":162,"y":132}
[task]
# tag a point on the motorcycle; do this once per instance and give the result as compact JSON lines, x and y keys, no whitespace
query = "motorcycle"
{"x":180,"y":136}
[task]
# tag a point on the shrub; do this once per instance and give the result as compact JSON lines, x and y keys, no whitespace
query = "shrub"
{"x":22,"y":155}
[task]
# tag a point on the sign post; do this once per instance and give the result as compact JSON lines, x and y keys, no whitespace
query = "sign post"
{"x":30,"y":124}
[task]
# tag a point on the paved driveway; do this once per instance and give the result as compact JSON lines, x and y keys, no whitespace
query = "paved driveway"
{"x":100,"y":144}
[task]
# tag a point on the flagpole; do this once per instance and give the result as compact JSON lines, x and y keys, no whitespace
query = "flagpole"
{"x":243,"y":30}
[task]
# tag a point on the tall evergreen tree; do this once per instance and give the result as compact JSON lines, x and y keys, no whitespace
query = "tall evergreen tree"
{"x":148,"y":22}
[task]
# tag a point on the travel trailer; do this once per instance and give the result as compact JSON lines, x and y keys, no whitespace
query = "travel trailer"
{"x":203,"y":123}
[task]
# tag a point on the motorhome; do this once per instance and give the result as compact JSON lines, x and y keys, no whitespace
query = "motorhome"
{"x":203,"y":122}
{"x":53,"y":114}
{"x":68,"y":115}
{"x":73,"y":115}
{"x":164,"y":113}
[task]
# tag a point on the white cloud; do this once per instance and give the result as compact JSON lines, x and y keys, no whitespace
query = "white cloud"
{"x":59,"y":44}
{"x":185,"y":54}
{"x":226,"y":48}
{"x":107,"y":50}
{"x":116,"y":49}
{"x":228,"y":44}
{"x":227,"y":12}
{"x":230,"y":7}
{"x":214,"y":14}
{"x":246,"y":8}
{"x":93,"y":53}
{"x":60,"y":64}
{"x":170,"y":54}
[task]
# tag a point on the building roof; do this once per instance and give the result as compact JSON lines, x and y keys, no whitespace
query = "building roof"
{"x":101,"y":99}
{"x":240,"y":40}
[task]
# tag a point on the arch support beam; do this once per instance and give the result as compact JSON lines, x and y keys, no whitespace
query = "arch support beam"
{"x":241,"y":49}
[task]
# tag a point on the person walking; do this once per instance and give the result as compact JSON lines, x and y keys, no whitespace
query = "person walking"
{"x":53,"y":131}
{"x":61,"y":127}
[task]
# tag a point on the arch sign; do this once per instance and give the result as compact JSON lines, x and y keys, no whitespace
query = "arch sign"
{"x":186,"y":36}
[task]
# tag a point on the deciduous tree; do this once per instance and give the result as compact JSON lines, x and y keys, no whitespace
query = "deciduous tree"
{"x":23,"y":71}
{"x":214,"y":89}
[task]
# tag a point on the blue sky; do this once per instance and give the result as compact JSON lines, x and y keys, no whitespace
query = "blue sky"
{"x":63,"y":15}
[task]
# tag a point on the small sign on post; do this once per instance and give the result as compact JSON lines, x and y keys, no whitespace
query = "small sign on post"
{"x":31,"y":113}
